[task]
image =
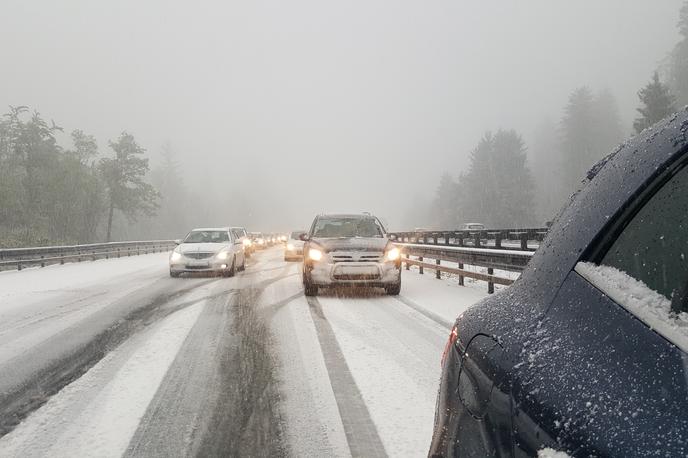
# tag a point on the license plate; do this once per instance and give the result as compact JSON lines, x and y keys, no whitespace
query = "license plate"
{"x":357,"y":270}
{"x":198,"y":263}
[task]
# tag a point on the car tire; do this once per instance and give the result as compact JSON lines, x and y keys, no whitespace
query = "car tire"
{"x":231,"y":271}
{"x":393,"y":290}
{"x":174,"y":274}
{"x":243,"y":265}
{"x":309,"y":289}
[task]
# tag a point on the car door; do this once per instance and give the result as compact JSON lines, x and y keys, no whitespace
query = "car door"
{"x":607,"y":374}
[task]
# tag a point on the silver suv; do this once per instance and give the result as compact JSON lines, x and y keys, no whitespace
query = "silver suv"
{"x":350,"y":250}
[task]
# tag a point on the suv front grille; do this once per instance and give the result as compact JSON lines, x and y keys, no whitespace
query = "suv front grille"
{"x":356,"y":257}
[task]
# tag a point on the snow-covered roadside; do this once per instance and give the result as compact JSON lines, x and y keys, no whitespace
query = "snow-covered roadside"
{"x":443,"y":297}
{"x":103,"y":407}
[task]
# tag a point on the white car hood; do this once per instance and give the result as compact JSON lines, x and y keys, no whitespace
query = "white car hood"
{"x":203,"y":247}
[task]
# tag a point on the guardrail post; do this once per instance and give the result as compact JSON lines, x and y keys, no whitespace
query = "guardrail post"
{"x":93,"y":254}
{"x":62,"y":258}
{"x":461,"y":276}
{"x":408,"y":266}
{"x":42,"y":261}
{"x":476,"y":241}
{"x":498,"y":240}
{"x":19,"y":266}
{"x":78,"y":256}
{"x":524,"y":241}
{"x":128,"y":252}
{"x":420,"y":268}
{"x":117,"y":253}
{"x":435,"y":238}
{"x":490,"y":285}
{"x":446,"y":238}
{"x":438,"y":273}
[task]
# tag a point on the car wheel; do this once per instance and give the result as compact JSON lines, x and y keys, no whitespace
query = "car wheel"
{"x":309,"y":289}
{"x":231,"y":271}
{"x":174,"y":274}
{"x":243,"y":265}
{"x":393,"y":290}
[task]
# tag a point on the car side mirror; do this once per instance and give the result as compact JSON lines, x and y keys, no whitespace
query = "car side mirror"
{"x":303,"y":237}
{"x":177,"y":242}
{"x":392,"y":237}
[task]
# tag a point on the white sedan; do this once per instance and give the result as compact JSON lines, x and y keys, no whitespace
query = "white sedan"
{"x":208,"y":250}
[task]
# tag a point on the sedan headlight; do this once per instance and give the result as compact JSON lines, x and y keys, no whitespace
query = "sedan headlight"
{"x":314,"y":254}
{"x":290,"y":247}
{"x":247,"y":242}
{"x":223,"y":255}
{"x":176,"y":256}
{"x":392,"y":254}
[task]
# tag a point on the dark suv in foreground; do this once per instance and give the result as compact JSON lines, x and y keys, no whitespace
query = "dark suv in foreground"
{"x":587,"y":353}
{"x":351,"y":250}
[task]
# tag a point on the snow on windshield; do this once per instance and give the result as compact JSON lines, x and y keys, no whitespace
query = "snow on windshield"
{"x":347,"y":227}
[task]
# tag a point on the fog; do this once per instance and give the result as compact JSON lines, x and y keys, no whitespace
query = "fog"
{"x":310,"y":106}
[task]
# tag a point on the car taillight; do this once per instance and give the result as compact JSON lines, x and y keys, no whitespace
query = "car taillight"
{"x":453,"y":337}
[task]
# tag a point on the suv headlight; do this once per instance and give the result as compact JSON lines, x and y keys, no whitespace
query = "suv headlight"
{"x":314,"y":254}
{"x":223,"y":255}
{"x":176,"y":256}
{"x":392,"y":254}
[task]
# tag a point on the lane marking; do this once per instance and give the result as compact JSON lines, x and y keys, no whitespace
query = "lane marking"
{"x":361,"y":433}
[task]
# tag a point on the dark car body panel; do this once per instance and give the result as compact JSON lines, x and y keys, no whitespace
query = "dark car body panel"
{"x":580,"y":373}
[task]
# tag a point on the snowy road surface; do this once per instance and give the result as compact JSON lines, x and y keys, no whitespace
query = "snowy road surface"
{"x":113,"y":358}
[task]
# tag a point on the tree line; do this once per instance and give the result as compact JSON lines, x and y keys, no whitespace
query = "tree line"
{"x":504,"y":186}
{"x":50,"y":194}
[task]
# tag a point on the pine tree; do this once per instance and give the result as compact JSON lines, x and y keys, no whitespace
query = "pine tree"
{"x":678,"y":64}
{"x":444,"y":206}
{"x":657,"y":103}
{"x":124,"y":177}
{"x":590,"y":129}
{"x":498,"y":188}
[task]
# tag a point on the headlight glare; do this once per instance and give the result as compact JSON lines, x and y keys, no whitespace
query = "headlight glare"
{"x":392,"y":254}
{"x":315,"y":254}
{"x":222,"y":255}
{"x":176,"y":256}
{"x":290,"y":247}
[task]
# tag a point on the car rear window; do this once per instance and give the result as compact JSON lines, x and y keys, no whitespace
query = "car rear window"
{"x":653,"y":247}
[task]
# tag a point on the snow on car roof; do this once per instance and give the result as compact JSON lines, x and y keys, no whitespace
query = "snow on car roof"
{"x":208,"y":229}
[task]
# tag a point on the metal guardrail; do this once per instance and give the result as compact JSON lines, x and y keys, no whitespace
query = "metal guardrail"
{"x":501,"y":239}
{"x":493,"y":249}
{"x":18,"y":258}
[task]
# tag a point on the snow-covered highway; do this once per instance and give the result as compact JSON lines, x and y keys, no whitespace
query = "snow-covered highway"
{"x":113,"y":357}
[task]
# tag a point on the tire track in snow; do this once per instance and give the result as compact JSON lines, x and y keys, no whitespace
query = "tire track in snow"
{"x":361,"y":433}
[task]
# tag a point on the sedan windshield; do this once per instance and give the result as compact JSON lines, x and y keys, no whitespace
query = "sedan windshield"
{"x":347,"y":227}
{"x":207,"y":237}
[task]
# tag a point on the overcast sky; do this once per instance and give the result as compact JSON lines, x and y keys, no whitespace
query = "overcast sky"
{"x":321,"y":105}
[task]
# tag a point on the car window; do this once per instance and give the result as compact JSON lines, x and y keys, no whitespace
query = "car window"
{"x":653,"y":247}
{"x":207,"y":237}
{"x":238,"y":233}
{"x":347,"y":227}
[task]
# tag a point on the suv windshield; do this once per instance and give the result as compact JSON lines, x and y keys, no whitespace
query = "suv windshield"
{"x":347,"y":227}
{"x":207,"y":237}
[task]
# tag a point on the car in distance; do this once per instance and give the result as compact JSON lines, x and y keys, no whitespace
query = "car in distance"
{"x":473,"y":227}
{"x":350,"y":249}
{"x":586,"y":353}
{"x":293,"y":250}
{"x":208,"y":250}
{"x":258,"y":240}
{"x":241,"y":234}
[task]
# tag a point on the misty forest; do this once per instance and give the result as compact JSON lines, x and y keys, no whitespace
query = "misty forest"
{"x":59,"y":187}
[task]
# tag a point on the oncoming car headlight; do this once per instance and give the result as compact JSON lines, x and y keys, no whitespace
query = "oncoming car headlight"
{"x":223,"y":255}
{"x":314,"y":254}
{"x":290,"y":246}
{"x":247,"y":242}
{"x":176,"y":256}
{"x":392,"y":254}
